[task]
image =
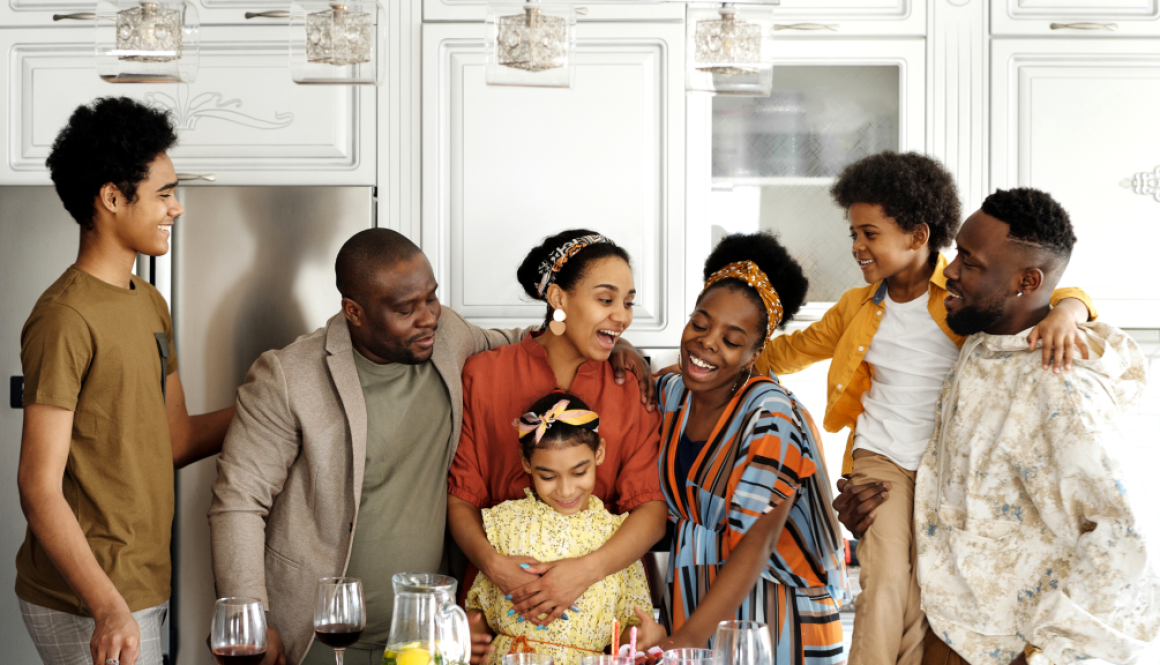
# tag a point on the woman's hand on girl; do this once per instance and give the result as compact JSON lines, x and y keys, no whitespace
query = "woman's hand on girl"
{"x":511,"y":572}
{"x":561,"y":583}
{"x":625,"y":358}
{"x":481,"y":646}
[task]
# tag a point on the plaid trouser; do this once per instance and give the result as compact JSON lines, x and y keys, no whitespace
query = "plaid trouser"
{"x":63,"y":639}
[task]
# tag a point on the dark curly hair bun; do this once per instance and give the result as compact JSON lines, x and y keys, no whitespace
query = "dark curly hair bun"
{"x":912,"y":188}
{"x":1034,"y":217}
{"x":112,"y":140}
{"x":765,"y":250}
{"x":528,"y":274}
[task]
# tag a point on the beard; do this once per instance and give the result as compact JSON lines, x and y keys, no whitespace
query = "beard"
{"x":976,"y":319}
{"x":401,"y":353}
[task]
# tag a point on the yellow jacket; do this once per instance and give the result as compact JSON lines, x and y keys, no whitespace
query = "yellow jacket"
{"x":844,"y":334}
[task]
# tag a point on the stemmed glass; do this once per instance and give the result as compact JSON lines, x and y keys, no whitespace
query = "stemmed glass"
{"x":687,"y":657}
{"x":742,"y":643}
{"x":238,"y":635}
{"x":339,"y":614}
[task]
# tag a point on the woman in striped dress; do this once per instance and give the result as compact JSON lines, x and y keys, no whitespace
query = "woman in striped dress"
{"x":743,"y":473}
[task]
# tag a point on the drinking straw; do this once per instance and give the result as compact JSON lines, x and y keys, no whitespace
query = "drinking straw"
{"x":632,"y":643}
{"x":615,"y":636}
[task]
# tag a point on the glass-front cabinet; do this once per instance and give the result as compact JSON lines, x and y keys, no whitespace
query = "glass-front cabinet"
{"x":767,"y":163}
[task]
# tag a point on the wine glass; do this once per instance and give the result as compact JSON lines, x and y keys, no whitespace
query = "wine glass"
{"x":742,"y":643}
{"x":687,"y":657}
{"x":527,"y":658}
{"x":339,"y":614}
{"x":238,"y":635}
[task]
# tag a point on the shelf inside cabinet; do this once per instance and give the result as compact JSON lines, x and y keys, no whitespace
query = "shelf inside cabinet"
{"x":725,"y":184}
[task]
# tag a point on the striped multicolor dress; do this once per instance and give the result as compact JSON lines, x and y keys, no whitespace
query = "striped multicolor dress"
{"x":762,"y":450}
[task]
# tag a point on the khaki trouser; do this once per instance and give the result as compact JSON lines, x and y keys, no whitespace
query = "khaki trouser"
{"x":889,"y":625}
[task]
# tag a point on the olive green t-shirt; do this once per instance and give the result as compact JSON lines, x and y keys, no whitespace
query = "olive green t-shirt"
{"x":104,"y":353}
{"x":403,"y":510}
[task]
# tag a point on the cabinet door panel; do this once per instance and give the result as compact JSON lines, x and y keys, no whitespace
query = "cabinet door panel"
{"x":39,"y":13}
{"x":1078,"y":119}
{"x":829,"y":18}
{"x":504,"y":167}
{"x":243,"y":120}
{"x":1075,"y":18}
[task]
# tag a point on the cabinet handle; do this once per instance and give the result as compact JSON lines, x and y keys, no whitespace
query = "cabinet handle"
{"x":805,"y":26}
{"x":280,"y":13}
{"x":183,"y":177}
{"x":83,"y":16}
{"x":1083,"y":26}
{"x":583,"y":11}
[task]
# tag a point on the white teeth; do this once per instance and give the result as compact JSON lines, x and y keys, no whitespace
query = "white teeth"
{"x":610,"y":333}
{"x":865,"y":263}
{"x":700,"y":363}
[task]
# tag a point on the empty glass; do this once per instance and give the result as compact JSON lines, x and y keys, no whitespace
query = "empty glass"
{"x":687,"y":657}
{"x":605,"y":660}
{"x":527,"y":659}
{"x":339,"y":614}
{"x":238,"y":634}
{"x":742,"y":643}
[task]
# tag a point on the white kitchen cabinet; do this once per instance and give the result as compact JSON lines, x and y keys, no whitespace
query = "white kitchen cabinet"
{"x":1077,"y":118}
{"x":243,"y":120}
{"x":39,"y":13}
{"x":767,"y":163}
{"x":1075,"y":18}
{"x":602,"y":10}
{"x":830,"y":18}
{"x":504,"y":167}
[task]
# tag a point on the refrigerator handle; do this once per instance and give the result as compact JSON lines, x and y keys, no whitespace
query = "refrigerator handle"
{"x":183,"y":177}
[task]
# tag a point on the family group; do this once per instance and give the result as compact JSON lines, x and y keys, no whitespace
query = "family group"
{"x":540,"y":466}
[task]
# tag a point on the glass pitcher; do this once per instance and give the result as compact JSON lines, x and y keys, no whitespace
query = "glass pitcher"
{"x":427,"y":627}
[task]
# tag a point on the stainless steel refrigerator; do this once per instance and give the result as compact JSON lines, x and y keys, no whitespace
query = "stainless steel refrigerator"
{"x":250,"y":269}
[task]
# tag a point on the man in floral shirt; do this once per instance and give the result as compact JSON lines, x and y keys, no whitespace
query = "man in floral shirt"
{"x":1029,"y":548}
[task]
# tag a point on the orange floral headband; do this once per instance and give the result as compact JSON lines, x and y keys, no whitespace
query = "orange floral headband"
{"x":748,"y":272}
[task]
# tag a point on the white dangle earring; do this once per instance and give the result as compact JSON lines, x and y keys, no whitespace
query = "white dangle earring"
{"x":1019,"y":295}
{"x":557,"y":325}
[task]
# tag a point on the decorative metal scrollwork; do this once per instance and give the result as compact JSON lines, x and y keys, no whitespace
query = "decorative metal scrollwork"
{"x":1144,"y":182}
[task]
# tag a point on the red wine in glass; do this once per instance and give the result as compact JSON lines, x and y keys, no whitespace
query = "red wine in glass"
{"x":239,"y":655}
{"x":338,"y":635}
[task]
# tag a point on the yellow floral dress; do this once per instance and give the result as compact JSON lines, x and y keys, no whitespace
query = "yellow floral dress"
{"x":529,"y":527}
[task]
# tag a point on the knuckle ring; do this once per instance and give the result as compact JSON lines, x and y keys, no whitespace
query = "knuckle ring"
{"x":112,"y":661}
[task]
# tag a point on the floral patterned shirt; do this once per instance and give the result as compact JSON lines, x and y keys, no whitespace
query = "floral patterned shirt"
{"x":1025,"y":526}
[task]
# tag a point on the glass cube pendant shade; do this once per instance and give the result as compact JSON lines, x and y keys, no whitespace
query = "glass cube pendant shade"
{"x":147,"y":42}
{"x":728,"y":51}
{"x":339,"y":36}
{"x":530,"y":44}
{"x":149,"y":33}
{"x":337,"y":41}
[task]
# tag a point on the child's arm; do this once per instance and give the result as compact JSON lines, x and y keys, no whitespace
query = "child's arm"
{"x":481,"y":646}
{"x":787,"y":354}
{"x":649,"y":633}
{"x":1059,"y":332}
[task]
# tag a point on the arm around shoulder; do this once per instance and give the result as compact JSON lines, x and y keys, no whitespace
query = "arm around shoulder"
{"x":795,"y":351}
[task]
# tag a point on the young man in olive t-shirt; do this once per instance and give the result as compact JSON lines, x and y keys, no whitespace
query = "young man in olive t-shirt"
{"x":105,"y":421}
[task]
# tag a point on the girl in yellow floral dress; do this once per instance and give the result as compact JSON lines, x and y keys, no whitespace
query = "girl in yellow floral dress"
{"x":560,"y":519}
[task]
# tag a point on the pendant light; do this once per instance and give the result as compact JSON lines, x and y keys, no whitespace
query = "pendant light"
{"x":335,"y":42}
{"x":531,"y":44}
{"x":728,"y":49}
{"x":155,"y":41}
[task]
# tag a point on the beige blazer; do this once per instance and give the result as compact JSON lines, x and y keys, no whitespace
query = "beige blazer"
{"x":285,"y":502}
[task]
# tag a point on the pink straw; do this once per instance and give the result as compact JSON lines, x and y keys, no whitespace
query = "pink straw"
{"x":615,"y":636}
{"x":632,"y":643}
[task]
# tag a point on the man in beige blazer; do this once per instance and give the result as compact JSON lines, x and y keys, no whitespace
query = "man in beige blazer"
{"x":360,"y":416}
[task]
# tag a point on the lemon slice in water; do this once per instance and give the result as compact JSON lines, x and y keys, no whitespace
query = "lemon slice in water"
{"x":414,"y":657}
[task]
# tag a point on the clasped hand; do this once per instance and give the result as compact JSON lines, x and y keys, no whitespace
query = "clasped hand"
{"x":542,"y":591}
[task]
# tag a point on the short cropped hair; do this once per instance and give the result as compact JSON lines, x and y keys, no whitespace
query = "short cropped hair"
{"x":112,"y":140}
{"x":1034,"y":219}
{"x":365,"y":253}
{"x":911,"y":187}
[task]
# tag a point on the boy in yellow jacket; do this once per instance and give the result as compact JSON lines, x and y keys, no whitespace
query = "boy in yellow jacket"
{"x":891,"y":351}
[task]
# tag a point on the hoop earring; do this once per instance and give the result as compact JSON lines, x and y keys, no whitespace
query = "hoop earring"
{"x":739,"y":383}
{"x":557,"y":325}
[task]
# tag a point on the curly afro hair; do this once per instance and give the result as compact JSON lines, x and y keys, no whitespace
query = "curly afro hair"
{"x":1034,"y":217}
{"x":528,"y":274}
{"x":912,"y":188}
{"x":112,"y":140}
{"x":765,"y":250}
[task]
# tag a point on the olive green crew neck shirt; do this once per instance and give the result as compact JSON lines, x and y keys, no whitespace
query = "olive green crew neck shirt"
{"x":403,"y":509}
{"x":104,"y":353}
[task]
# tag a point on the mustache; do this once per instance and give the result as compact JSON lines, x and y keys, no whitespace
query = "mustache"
{"x":425,"y":335}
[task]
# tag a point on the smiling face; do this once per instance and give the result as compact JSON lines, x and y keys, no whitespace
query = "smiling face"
{"x":983,"y":278}
{"x":143,"y":225}
{"x":721,"y":339}
{"x":881,"y":247}
{"x":564,"y":474}
{"x":598,"y":308}
{"x":401,"y":315}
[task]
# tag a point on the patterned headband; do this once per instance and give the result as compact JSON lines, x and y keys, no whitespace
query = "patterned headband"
{"x":748,"y":272}
{"x":559,"y":256}
{"x":531,"y":423}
